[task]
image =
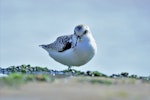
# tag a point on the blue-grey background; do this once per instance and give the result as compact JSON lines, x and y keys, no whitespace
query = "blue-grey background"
{"x":121,"y":29}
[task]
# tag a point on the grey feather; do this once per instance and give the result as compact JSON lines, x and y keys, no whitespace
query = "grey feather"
{"x":62,"y":43}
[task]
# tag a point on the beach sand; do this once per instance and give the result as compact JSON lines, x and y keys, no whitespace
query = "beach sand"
{"x":78,"y":89}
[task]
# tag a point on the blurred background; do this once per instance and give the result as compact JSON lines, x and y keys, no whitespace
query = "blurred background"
{"x":121,"y":29}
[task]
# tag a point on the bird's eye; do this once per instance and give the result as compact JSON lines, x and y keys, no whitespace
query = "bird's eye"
{"x":85,"y":32}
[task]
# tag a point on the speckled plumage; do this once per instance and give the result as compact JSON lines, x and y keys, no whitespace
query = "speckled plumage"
{"x":60,"y":43}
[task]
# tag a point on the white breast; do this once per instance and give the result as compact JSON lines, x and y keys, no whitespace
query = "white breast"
{"x":77,"y":56}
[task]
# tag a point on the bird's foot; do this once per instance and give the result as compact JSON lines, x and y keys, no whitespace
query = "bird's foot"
{"x":71,"y":70}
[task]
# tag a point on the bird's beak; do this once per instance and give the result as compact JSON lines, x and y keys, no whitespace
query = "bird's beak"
{"x":78,"y":38}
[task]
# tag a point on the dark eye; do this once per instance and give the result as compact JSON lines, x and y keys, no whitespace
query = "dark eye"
{"x":85,"y":32}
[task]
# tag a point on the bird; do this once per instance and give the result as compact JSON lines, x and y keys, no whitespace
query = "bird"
{"x":75,"y":49}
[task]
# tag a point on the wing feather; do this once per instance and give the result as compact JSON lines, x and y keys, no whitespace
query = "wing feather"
{"x":62,"y":43}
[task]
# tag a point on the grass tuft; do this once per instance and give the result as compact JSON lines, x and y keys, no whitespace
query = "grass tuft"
{"x":16,"y":79}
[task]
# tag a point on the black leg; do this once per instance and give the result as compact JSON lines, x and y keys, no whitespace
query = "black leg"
{"x":71,"y":71}
{"x":69,"y":68}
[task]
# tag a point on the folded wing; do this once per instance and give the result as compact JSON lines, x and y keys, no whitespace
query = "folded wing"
{"x":62,"y":43}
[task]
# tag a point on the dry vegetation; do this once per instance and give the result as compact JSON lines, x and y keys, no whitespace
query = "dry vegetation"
{"x":82,"y":86}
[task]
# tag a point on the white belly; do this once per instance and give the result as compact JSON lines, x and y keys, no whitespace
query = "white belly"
{"x":77,"y":56}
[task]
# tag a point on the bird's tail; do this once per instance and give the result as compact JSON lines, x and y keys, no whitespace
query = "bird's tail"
{"x":43,"y":46}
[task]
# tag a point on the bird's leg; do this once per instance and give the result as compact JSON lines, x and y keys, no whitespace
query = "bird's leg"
{"x":69,"y":68}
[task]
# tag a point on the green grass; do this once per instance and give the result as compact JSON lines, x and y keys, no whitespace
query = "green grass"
{"x":20,"y":75}
{"x":16,"y":79}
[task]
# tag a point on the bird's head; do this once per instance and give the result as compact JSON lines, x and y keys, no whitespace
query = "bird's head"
{"x":81,"y":30}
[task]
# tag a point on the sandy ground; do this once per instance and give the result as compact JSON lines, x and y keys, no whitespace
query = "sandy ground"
{"x":71,"y":89}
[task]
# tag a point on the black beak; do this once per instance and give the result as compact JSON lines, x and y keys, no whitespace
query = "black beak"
{"x":78,"y":37}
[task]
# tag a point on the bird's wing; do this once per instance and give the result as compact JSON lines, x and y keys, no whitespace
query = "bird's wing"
{"x":62,"y":43}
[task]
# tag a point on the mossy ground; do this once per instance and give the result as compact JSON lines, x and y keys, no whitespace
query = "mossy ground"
{"x":26,"y":73}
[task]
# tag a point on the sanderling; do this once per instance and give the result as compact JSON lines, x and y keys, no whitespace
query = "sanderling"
{"x":73,"y":50}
